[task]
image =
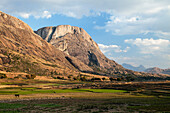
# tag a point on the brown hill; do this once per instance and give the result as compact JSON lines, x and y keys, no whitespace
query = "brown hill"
{"x":158,"y":70}
{"x":76,"y":42}
{"x":23,"y":50}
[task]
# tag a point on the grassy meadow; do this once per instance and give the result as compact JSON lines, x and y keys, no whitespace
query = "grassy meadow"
{"x":65,"y":96}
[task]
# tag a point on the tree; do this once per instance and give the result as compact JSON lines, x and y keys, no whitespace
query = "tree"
{"x":2,"y":76}
{"x":103,"y":78}
{"x":83,"y":78}
{"x":69,"y":77}
{"x":119,"y":79}
{"x":111,"y":79}
{"x":32,"y":76}
{"x":74,"y":78}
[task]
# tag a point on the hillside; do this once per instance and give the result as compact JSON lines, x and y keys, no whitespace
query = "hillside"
{"x":76,"y":42}
{"x":21,"y":50}
{"x":158,"y":70}
{"x":70,"y":50}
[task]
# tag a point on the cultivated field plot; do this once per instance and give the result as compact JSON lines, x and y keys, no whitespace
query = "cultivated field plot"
{"x":83,"y":97}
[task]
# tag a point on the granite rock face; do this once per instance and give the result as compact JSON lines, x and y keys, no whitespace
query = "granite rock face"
{"x":76,"y":42}
{"x":17,"y":36}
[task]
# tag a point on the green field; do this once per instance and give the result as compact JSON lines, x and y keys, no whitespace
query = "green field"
{"x":25,"y":91}
{"x":65,"y":97}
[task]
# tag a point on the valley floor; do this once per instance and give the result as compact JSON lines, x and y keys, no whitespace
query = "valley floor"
{"x":37,"y":96}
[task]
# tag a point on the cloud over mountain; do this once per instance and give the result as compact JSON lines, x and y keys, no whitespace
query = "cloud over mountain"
{"x":150,"y":46}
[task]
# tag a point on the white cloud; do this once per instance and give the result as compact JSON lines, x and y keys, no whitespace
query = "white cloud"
{"x":24,"y":15}
{"x":112,"y":48}
{"x":150,"y":46}
{"x":45,"y":14}
{"x":126,"y":16}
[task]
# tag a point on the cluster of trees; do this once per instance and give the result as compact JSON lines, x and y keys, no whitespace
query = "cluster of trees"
{"x":32,"y":76}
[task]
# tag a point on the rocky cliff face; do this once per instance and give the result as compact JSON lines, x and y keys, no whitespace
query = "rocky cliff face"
{"x":24,"y":51}
{"x":76,"y":42}
{"x":20,"y":46}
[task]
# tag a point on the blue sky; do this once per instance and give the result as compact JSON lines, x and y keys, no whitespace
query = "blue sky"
{"x":128,"y":31}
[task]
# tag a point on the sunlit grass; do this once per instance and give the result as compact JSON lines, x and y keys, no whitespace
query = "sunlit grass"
{"x":102,"y":90}
{"x":31,"y":90}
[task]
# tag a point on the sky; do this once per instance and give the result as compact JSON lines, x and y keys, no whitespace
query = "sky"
{"x":136,"y":32}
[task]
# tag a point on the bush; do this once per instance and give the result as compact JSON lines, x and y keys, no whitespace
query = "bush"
{"x":95,"y":79}
{"x":83,"y":78}
{"x":2,"y":75}
{"x":75,"y":78}
{"x":112,"y":79}
{"x":119,"y":79}
{"x":69,"y":77}
{"x":32,"y":76}
{"x":103,"y":78}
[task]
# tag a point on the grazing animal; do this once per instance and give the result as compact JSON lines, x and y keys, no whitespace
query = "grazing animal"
{"x":16,"y":95}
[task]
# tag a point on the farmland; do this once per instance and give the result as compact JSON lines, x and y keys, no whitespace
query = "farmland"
{"x":84,"y":97}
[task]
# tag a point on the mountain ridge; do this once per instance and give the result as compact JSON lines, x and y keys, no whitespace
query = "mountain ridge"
{"x":139,"y":68}
{"x":18,"y":39}
{"x":78,"y":43}
{"x":158,"y":70}
{"x":21,"y":50}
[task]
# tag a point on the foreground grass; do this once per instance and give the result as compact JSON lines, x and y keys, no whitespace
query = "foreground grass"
{"x":25,"y":91}
{"x":85,"y":105}
{"x":142,"y":98}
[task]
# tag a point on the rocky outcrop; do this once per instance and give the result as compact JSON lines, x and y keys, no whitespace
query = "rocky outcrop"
{"x":17,"y":36}
{"x":76,"y":42}
{"x":24,"y":51}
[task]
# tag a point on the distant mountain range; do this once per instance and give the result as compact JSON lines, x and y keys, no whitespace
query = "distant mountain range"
{"x":141,"y":68}
{"x":158,"y":70}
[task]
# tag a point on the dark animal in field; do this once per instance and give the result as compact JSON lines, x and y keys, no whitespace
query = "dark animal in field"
{"x":16,"y":95}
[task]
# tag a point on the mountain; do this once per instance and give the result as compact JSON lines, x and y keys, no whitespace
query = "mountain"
{"x":158,"y":70}
{"x":140,"y":68}
{"x":64,"y":49}
{"x":76,"y":42}
{"x":21,"y":50}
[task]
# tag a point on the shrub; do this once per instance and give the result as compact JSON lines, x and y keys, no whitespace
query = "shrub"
{"x":119,"y":79}
{"x":2,"y":75}
{"x":32,"y":76}
{"x":95,"y":79}
{"x":59,"y":77}
{"x":111,"y":79}
{"x":83,"y":78}
{"x":74,"y":78}
{"x":103,"y":78}
{"x":69,"y":77}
